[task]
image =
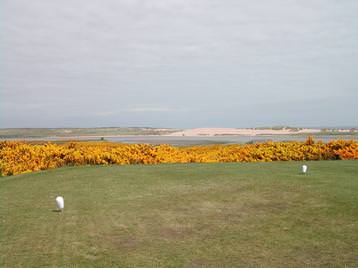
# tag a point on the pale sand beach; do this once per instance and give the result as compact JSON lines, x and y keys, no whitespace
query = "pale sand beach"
{"x":241,"y":131}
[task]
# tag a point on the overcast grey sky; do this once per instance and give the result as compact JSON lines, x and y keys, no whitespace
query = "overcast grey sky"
{"x":178,"y":63}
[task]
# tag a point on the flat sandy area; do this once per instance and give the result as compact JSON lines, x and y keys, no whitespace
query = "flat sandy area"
{"x":241,"y":131}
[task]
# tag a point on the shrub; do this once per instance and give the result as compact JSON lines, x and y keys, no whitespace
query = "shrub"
{"x":20,"y":157}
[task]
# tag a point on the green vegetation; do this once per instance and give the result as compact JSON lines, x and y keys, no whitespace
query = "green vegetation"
{"x":338,"y":132}
{"x":324,"y":131}
{"x":280,"y":128}
{"x":70,"y":132}
{"x":183,"y":215}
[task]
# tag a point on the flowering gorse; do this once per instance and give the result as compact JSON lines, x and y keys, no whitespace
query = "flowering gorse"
{"x":21,"y":157}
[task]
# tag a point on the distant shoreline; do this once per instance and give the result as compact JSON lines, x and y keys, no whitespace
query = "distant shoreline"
{"x":242,"y":132}
{"x":113,"y":133}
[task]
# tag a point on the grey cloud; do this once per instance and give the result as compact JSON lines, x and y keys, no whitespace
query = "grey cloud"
{"x":91,"y":62}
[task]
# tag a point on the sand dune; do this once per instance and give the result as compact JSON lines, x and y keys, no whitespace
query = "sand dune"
{"x":241,"y":131}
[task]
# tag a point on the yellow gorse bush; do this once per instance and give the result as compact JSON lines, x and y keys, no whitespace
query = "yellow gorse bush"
{"x":20,"y":157}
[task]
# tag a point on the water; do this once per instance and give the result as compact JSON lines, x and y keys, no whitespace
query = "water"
{"x":201,"y":140}
{"x":182,"y":141}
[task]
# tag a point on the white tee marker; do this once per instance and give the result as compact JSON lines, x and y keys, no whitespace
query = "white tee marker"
{"x":60,"y":203}
{"x":304,"y":169}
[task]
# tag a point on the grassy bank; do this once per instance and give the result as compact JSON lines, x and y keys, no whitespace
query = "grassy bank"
{"x":8,"y":133}
{"x":183,"y":215}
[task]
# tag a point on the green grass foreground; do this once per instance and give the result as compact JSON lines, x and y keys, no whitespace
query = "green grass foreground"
{"x":183,"y":215}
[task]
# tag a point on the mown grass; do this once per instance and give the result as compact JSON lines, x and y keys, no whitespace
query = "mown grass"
{"x":183,"y":215}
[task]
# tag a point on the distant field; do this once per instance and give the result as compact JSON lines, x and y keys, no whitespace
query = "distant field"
{"x":72,"y":132}
{"x":183,"y":215}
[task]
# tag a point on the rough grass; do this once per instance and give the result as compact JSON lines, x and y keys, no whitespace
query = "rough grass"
{"x":68,"y":132}
{"x":187,"y":215}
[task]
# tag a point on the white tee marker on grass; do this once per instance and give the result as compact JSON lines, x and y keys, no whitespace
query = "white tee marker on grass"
{"x":60,"y":203}
{"x":304,"y":169}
